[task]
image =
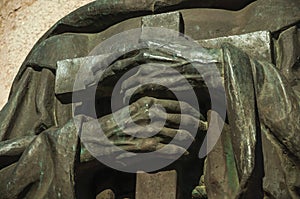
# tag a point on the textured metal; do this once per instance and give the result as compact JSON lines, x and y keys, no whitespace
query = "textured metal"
{"x":157,"y":185}
{"x":67,"y":71}
{"x":256,"y":44}
{"x":172,"y":21}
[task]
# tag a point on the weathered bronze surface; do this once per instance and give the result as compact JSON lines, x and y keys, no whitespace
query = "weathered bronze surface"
{"x":159,"y":185}
{"x":258,"y":153}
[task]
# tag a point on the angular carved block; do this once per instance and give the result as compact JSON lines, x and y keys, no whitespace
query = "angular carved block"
{"x":162,"y":185}
{"x":171,"y":21}
{"x":256,"y":44}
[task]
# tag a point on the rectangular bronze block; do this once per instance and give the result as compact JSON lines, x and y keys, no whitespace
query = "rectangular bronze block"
{"x":79,"y":69}
{"x":161,"y":185}
{"x":256,"y":44}
{"x":172,"y":21}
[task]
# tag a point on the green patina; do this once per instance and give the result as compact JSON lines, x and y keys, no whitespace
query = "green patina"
{"x":230,"y":163}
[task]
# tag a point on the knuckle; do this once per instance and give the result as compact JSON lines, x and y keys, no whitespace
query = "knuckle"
{"x":148,"y":100}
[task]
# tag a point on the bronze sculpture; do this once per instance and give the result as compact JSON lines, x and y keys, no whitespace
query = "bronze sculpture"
{"x":40,"y":149}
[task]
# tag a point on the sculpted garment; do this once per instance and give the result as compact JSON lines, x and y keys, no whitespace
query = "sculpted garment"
{"x":39,"y":146}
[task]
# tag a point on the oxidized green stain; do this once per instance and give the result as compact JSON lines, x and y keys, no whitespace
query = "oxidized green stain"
{"x":230,"y":163}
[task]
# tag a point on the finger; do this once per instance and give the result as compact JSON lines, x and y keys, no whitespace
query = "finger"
{"x":166,"y":134}
{"x":176,"y":134}
{"x":165,"y":151}
{"x":142,"y":89}
{"x":138,"y":144}
{"x":171,"y":149}
{"x":176,"y":120}
{"x":177,"y":110}
{"x":125,"y":64}
{"x":172,"y":106}
{"x":149,"y":70}
{"x":139,"y":110}
{"x":150,"y":145}
{"x":172,"y":80}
